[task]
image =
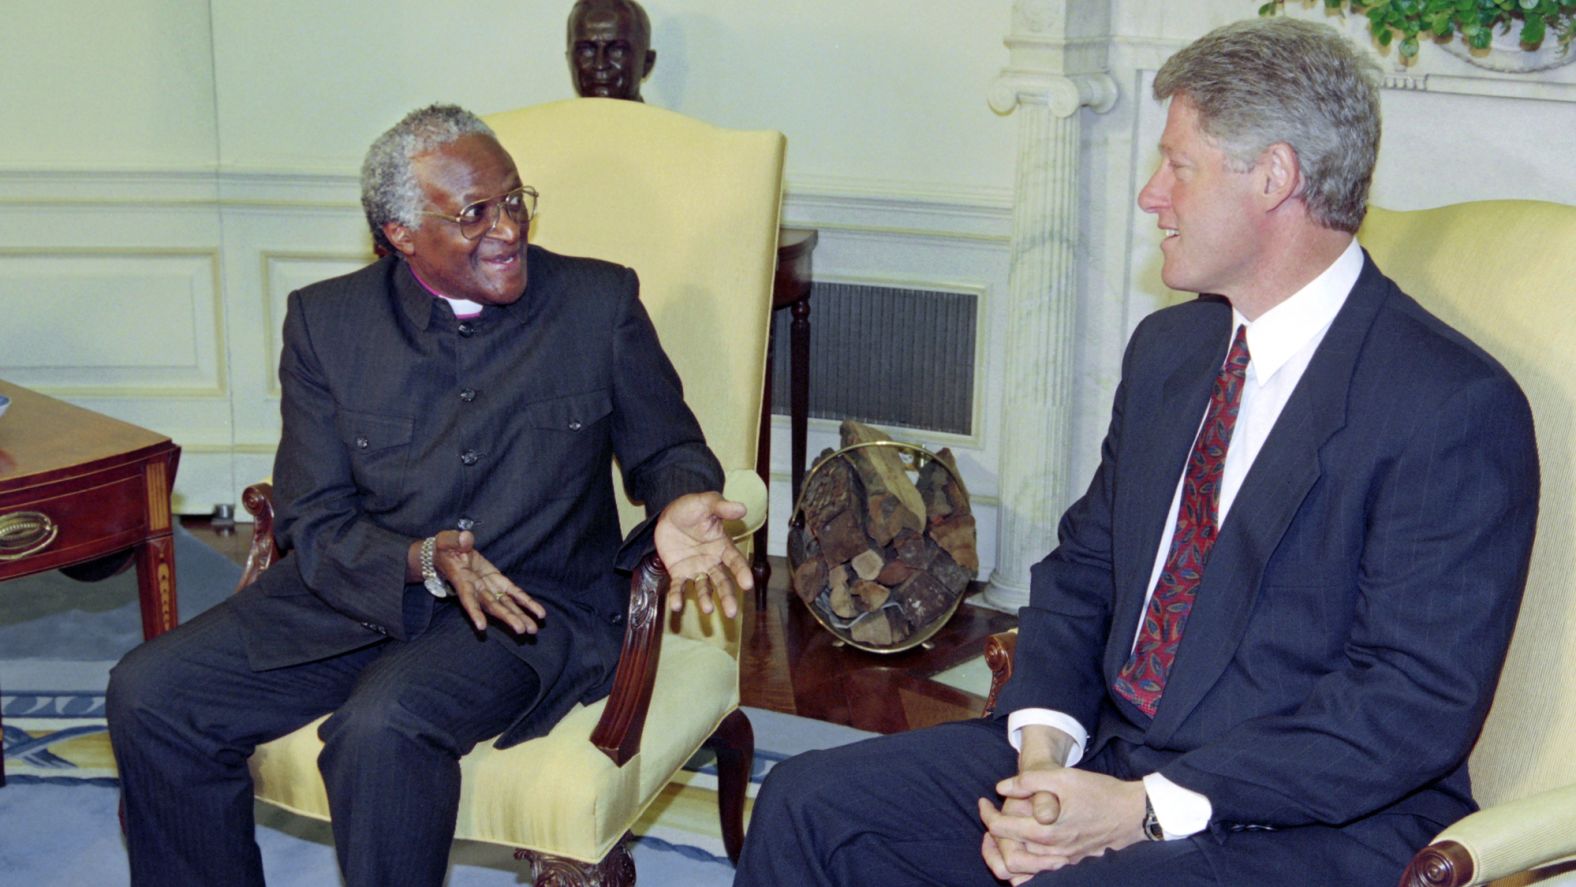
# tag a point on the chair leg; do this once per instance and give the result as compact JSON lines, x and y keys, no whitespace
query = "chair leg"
{"x":734,"y":745}
{"x":617,"y":869}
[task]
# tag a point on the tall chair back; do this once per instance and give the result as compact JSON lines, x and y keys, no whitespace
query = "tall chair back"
{"x":693,"y":209}
{"x":1504,"y":273}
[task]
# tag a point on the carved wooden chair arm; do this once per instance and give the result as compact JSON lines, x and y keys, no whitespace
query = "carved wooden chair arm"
{"x":1534,"y":834}
{"x":258,"y":500}
{"x":998,"y":655}
{"x":623,"y":721}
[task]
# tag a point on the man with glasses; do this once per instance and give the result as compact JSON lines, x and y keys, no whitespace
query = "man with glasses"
{"x":442,"y":486}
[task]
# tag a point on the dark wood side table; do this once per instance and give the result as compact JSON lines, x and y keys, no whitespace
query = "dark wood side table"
{"x":86,"y":494}
{"x":790,"y":289}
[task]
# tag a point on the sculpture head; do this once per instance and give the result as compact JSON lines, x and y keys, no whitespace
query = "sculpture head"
{"x":609,"y":48}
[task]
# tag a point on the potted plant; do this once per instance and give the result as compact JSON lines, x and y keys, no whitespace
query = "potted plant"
{"x":1476,"y":21}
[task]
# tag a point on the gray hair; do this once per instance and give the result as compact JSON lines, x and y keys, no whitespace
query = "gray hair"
{"x":1261,"y":81}
{"x":389,"y":189}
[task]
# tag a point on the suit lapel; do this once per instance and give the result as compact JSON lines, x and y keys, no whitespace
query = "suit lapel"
{"x":1285,"y":470}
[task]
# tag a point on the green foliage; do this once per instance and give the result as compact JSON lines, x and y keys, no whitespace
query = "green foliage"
{"x":1405,"y":23}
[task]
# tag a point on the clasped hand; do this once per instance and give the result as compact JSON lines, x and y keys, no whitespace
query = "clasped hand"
{"x":1054,"y":816}
{"x":696,"y":549}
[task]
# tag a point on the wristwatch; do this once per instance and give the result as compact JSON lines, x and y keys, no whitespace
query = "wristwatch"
{"x":429,"y":574}
{"x":1152,"y":829}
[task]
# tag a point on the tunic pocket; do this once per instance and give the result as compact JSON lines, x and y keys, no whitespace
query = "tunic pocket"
{"x":570,"y":440}
{"x":379,"y":450}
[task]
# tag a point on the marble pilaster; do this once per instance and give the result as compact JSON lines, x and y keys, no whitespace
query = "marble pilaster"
{"x":1056,"y":70}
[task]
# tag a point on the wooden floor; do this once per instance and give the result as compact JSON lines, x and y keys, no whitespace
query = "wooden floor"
{"x":792,"y":664}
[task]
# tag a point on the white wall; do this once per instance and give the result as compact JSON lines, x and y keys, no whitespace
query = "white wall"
{"x":876,"y":91}
{"x":107,"y":85}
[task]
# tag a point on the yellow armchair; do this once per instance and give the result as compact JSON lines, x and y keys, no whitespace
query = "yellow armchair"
{"x":1504,"y":273}
{"x":693,"y":209}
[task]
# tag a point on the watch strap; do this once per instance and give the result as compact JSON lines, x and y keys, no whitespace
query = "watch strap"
{"x":1152,"y":829}
{"x":429,"y":573}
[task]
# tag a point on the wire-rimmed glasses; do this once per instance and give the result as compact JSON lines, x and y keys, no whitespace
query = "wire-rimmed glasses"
{"x":476,"y":219}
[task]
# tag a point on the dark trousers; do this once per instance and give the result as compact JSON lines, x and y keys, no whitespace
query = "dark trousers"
{"x":903,"y":810}
{"x":185,"y":712}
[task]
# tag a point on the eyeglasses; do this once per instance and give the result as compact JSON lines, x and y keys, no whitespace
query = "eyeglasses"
{"x":478,"y":218}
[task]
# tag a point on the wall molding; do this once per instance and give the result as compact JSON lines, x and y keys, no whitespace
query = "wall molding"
{"x":205,"y":275}
{"x":937,"y":210}
{"x":271,"y":262}
{"x":898,"y":209}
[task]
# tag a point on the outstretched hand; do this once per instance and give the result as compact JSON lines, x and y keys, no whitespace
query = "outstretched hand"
{"x":695,"y":547}
{"x":481,"y":588}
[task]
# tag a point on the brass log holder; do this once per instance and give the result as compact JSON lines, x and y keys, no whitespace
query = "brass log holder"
{"x":914,"y":458}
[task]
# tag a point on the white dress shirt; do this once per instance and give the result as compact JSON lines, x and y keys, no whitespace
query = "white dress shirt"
{"x":1281,"y":342}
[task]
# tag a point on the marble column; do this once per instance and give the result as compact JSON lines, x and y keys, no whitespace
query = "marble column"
{"x":1045,"y":88}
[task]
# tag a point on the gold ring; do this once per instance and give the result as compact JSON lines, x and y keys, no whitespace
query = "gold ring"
{"x":498,"y":597}
{"x":700,"y":577}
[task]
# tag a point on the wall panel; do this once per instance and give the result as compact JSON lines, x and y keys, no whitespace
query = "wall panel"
{"x":95,"y":321}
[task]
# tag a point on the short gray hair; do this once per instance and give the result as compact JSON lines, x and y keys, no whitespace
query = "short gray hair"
{"x":389,"y":190}
{"x":1261,"y":81}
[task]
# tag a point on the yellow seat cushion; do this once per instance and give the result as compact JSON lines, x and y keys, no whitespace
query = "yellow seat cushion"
{"x":557,"y":794}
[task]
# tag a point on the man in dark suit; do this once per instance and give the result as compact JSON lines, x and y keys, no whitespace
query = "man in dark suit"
{"x":443,"y":486}
{"x":1224,"y":665}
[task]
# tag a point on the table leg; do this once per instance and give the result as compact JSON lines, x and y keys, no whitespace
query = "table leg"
{"x":156,"y":585}
{"x":759,"y":568}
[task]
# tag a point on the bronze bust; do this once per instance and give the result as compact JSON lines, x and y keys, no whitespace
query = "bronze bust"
{"x":609,"y":48}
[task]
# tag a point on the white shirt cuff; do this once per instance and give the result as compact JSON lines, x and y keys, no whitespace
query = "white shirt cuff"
{"x":1024,"y":717}
{"x":1182,"y":812}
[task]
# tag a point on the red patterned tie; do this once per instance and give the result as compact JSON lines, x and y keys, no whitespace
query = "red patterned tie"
{"x":1142,"y":680}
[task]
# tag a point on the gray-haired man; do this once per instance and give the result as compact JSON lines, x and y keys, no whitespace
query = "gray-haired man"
{"x":442,"y":487}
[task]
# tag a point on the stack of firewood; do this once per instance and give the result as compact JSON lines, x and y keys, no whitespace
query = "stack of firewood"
{"x":880,"y":557}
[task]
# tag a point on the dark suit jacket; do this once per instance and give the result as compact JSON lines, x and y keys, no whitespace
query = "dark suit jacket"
{"x":1346,"y":638}
{"x":400,"y":421}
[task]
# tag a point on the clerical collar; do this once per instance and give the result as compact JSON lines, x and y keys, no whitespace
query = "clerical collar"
{"x":464,"y":309}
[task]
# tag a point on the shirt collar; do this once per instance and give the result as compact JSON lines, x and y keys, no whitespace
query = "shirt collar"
{"x":463,"y":308}
{"x":421,"y":303}
{"x":1287,"y":328}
